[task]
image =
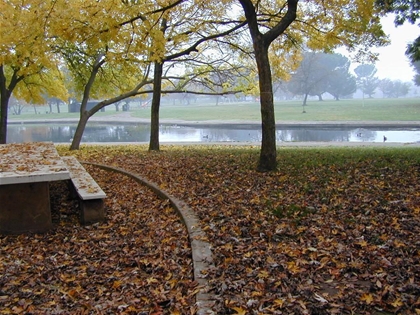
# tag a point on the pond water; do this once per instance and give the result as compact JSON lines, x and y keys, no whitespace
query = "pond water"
{"x":99,"y":132}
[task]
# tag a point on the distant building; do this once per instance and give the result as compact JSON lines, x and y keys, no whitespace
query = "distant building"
{"x":75,"y":106}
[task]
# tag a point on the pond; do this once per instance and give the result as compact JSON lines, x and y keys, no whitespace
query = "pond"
{"x":140,"y":132}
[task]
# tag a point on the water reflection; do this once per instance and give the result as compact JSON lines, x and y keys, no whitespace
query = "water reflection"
{"x":233,"y":133}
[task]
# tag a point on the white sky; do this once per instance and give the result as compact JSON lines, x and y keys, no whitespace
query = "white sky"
{"x":393,"y":63}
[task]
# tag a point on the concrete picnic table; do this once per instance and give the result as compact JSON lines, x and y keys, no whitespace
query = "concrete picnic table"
{"x":25,"y":172}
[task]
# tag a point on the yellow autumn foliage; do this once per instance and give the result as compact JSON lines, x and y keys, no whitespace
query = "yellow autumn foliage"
{"x":37,"y":36}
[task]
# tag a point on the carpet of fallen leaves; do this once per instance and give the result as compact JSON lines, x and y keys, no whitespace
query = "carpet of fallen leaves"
{"x":333,"y":231}
{"x":136,"y":262}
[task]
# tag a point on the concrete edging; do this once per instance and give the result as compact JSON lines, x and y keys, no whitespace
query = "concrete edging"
{"x":201,"y":249}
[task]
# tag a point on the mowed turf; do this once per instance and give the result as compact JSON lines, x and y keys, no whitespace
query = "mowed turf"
{"x":404,"y":109}
{"x":328,"y":110}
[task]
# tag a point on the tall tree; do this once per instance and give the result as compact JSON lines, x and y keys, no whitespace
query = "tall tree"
{"x":319,"y":73}
{"x":106,"y":58}
{"x":341,"y":82}
{"x":186,"y":31}
{"x":386,"y":86}
{"x":310,"y":77}
{"x":366,"y":79}
{"x":319,"y":25}
{"x":28,"y":67}
{"x":394,"y":88}
{"x":105,"y":46}
{"x":261,"y":43}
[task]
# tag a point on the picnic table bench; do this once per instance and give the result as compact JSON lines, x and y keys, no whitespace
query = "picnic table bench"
{"x":83,"y":186}
{"x":26,"y":169}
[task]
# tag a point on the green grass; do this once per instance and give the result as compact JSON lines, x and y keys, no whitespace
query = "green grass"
{"x":404,"y":109}
{"x":29,"y":115}
{"x":358,"y":110}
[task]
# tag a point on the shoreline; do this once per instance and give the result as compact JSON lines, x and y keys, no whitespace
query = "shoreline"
{"x":128,"y":119}
{"x":285,"y":144}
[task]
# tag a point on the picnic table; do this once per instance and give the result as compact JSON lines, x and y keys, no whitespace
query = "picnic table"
{"x":25,"y":172}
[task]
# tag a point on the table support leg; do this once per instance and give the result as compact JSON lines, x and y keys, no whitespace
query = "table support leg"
{"x":25,"y":208}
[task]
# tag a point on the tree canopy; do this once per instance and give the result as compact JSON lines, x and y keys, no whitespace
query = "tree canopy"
{"x":109,"y":48}
{"x":366,"y":79}
{"x":405,"y":10}
{"x":319,"y":73}
{"x":396,"y":88}
{"x":28,"y":67}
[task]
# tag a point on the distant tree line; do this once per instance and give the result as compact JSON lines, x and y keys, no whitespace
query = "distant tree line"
{"x":320,"y":73}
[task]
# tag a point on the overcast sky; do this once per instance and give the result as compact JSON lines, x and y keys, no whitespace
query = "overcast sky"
{"x":393,"y":63}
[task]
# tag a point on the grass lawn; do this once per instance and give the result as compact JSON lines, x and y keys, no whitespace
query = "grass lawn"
{"x":62,"y":115}
{"x":328,"y":110}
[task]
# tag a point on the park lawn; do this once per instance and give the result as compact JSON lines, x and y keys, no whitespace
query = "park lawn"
{"x":352,"y":110}
{"x":404,"y":109}
{"x":328,"y":110}
{"x":333,"y":231}
{"x":29,"y":115}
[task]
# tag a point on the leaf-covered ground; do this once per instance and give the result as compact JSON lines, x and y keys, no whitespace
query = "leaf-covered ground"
{"x":333,"y":231}
{"x":136,"y":262}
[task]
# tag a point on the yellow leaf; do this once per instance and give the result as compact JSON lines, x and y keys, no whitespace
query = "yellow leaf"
{"x":263,"y":274}
{"x":152,"y":280}
{"x":397,"y":303}
{"x":279,"y":302}
{"x":367,"y":297}
{"x":116,"y":284}
{"x":362,"y":243}
{"x":293,"y":268}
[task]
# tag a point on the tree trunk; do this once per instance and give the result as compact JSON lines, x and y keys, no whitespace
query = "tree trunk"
{"x":305,"y":98}
{"x":261,"y":42}
{"x":5,"y":93}
{"x":84,"y":114}
{"x":58,"y":107}
{"x":77,"y":138}
{"x":268,"y":154}
{"x":154,"y":123}
{"x":4,"y":99}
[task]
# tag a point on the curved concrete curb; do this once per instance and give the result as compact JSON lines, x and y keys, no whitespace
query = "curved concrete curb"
{"x":201,"y":250}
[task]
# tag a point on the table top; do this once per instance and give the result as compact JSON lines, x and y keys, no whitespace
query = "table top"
{"x":30,"y":163}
